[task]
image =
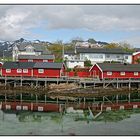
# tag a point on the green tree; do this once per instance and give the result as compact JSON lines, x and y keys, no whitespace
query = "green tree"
{"x":112,"y":45}
{"x":138,"y":60}
{"x":87,"y":63}
{"x":127,"y":47}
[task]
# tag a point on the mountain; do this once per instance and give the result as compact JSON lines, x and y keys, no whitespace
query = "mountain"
{"x":6,"y":47}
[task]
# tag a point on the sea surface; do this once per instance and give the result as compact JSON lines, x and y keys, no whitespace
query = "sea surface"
{"x":37,"y":123}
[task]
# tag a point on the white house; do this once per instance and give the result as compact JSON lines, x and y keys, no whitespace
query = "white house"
{"x":73,"y":63}
{"x":99,"y":55}
{"x":28,"y":49}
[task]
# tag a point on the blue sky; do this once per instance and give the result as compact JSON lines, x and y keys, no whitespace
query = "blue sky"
{"x":109,"y":23}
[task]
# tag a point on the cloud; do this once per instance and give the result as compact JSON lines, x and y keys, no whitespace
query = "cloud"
{"x":18,"y":21}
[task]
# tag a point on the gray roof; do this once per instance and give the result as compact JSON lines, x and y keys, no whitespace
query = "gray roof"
{"x":27,"y":65}
{"x":49,"y":56}
{"x":102,"y":50}
{"x":37,"y":48}
{"x":72,"y":52}
{"x":48,"y":65}
{"x":119,"y":67}
{"x":16,"y":65}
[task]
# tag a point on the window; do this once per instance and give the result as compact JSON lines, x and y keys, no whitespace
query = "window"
{"x":122,"y":73}
{"x":109,"y":73}
{"x":25,"y":70}
{"x":107,"y":56}
{"x":19,"y":70}
{"x":117,"y":56}
{"x":45,"y":60}
{"x":29,"y":48}
{"x":136,"y":73}
{"x":40,"y":70}
{"x":8,"y":70}
{"x":126,"y":57}
{"x":30,"y":60}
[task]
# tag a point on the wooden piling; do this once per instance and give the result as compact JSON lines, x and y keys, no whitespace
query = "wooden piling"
{"x":45,"y":98}
{"x":21,"y":97}
{"x":117,"y":98}
{"x":36,"y":98}
{"x":5,"y":97}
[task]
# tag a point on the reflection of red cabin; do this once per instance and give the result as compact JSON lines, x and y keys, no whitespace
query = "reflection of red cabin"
{"x":36,"y":58}
{"x":110,"y":70}
{"x":1,"y":64}
{"x":33,"y":69}
{"x":135,"y":57}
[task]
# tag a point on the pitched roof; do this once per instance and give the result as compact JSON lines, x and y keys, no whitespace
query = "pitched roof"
{"x":18,"y":65}
{"x":119,"y":67}
{"x":37,"y":48}
{"x":70,"y":52}
{"x":49,"y":56}
{"x":48,"y":65}
{"x":27,"y":65}
{"x":102,"y":50}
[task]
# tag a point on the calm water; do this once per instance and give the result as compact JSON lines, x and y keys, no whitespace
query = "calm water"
{"x":34,"y":123}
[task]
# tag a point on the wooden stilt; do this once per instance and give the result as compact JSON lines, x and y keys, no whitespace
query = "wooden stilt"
{"x":36,"y":98}
{"x":57,"y":100}
{"x":117,"y":98}
{"x":21,"y":97}
{"x":84,"y":102}
{"x":45,"y":98}
{"x":5,"y":97}
{"x":21,"y":82}
{"x":129,"y":97}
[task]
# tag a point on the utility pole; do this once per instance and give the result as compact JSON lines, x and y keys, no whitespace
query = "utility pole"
{"x":62,"y":52}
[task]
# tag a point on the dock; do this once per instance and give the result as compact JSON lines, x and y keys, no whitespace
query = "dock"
{"x":83,"y":82}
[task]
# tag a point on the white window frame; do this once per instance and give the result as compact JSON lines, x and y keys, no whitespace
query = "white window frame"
{"x":122,"y":73}
{"x":40,"y":70}
{"x":109,"y":73}
{"x":136,"y":73}
{"x":30,"y":60}
{"x":25,"y":70}
{"x":45,"y":60}
{"x":8,"y":70}
{"x":19,"y":70}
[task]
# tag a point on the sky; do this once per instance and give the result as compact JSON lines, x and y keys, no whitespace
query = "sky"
{"x":109,"y":23}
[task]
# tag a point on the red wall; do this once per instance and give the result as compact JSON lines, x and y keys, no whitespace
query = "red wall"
{"x":135,"y":57}
{"x":14,"y":73}
{"x":117,"y":75}
{"x":95,"y":72}
{"x":83,"y":74}
{"x":47,"y":73}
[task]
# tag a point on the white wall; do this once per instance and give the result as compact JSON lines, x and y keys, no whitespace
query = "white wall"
{"x":93,"y":57}
{"x":72,"y":64}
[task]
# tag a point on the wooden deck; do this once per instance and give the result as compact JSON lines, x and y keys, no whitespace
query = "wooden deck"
{"x":81,"y":81}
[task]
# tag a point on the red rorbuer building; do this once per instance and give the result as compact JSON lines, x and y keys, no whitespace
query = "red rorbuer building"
{"x":33,"y":69}
{"x":110,"y":71}
{"x":135,"y":57}
{"x":36,"y":58}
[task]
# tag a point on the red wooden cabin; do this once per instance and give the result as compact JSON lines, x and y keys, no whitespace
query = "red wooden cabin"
{"x":48,"y":69}
{"x":36,"y":58}
{"x":135,"y":57}
{"x":33,"y":69}
{"x":111,"y":71}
